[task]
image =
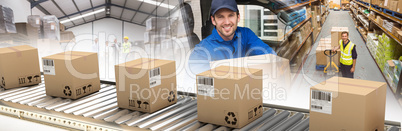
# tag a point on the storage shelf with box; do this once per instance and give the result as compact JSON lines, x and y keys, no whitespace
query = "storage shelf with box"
{"x":359,"y":2}
{"x":387,"y":16}
{"x":397,"y":94}
{"x":295,"y":28}
{"x":293,"y":6}
{"x":387,"y":32}
{"x":298,"y":48}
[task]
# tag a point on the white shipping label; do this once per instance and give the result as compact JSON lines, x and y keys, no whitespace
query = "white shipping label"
{"x":205,"y":86}
{"x":155,"y":77}
{"x":321,"y":101}
{"x":52,"y":27}
{"x":48,"y":67}
{"x":37,"y":21}
{"x":386,"y":3}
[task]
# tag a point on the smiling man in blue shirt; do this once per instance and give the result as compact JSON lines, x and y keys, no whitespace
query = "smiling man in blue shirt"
{"x":227,"y":40}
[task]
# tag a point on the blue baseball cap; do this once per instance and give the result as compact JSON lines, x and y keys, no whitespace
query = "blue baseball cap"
{"x":219,"y":4}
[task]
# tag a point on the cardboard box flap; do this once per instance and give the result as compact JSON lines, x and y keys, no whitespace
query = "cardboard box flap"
{"x":16,"y":49}
{"x":230,"y":72}
{"x":346,"y":85}
{"x":249,"y":61}
{"x":144,"y":63}
{"x":69,"y":55}
{"x":335,"y":29}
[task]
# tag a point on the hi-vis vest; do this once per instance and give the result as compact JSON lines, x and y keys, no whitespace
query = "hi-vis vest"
{"x":346,"y":53}
{"x":126,"y":47}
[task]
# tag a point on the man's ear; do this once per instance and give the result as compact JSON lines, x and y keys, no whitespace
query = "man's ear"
{"x":238,"y":18}
{"x":213,"y":20}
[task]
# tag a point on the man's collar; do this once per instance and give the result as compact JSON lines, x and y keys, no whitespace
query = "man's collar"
{"x":219,"y":38}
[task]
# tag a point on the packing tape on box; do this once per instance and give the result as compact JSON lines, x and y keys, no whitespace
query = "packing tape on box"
{"x":227,"y":72}
{"x":18,"y":52}
{"x":130,"y":67}
{"x":85,"y":57}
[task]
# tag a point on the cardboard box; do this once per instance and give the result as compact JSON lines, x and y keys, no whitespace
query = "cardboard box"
{"x":62,"y":27}
{"x":218,"y":101}
{"x":276,"y":69}
{"x":399,"y":7}
{"x":321,"y":58}
{"x":71,"y":74}
{"x":19,"y":66}
{"x":66,"y":36}
{"x":336,"y":35}
{"x":347,"y":104}
{"x":393,"y":6}
{"x":139,"y":80}
{"x":399,"y":35}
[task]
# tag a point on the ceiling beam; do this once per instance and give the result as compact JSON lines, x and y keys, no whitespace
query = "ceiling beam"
{"x":82,"y":11}
{"x":57,"y":5}
{"x":132,"y":9}
{"x":92,"y":6}
{"x":35,"y":3}
{"x":78,"y":10}
{"x":137,"y":9}
{"x":152,"y":12}
{"x":125,"y":2}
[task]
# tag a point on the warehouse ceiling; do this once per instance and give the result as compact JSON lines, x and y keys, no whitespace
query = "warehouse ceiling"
{"x":132,"y":11}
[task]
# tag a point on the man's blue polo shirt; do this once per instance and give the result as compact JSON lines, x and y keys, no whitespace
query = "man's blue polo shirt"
{"x":213,"y":48}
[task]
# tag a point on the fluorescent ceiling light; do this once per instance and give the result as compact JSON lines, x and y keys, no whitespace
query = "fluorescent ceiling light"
{"x":158,"y":4}
{"x":81,"y":16}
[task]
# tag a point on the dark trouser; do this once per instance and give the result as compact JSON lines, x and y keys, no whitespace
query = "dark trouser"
{"x":345,"y":70}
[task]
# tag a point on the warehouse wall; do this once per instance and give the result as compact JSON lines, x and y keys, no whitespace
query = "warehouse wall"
{"x":106,"y":29}
{"x":21,"y":9}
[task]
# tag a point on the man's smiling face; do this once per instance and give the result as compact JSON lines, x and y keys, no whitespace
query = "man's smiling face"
{"x":225,"y":21}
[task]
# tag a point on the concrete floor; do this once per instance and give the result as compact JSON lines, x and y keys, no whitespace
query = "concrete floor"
{"x":366,"y":69}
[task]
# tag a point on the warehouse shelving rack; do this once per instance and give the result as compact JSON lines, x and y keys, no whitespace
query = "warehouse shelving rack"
{"x":380,"y":11}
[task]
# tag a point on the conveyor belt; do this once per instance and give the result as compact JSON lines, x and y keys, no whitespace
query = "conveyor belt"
{"x":99,"y":111}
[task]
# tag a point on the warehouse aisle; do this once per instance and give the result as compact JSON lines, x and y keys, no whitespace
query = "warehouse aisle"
{"x":366,"y":67}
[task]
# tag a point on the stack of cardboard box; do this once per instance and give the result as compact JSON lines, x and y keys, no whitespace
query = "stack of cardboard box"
{"x":36,"y":21}
{"x":7,"y":20}
{"x":347,"y":104}
{"x":50,"y":27}
{"x":66,"y":36}
{"x":387,"y":49}
{"x":29,"y":31}
{"x":336,"y":35}
{"x":321,"y":58}
{"x":372,"y":43}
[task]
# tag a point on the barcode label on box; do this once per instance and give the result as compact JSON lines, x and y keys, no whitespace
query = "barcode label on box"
{"x":321,"y":101}
{"x":205,"y":86}
{"x":48,"y":67}
{"x":155,"y":77}
{"x":52,"y":27}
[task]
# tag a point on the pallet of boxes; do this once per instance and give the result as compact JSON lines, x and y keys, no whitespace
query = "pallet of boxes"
{"x":8,"y":30}
{"x":66,"y":36}
{"x":328,"y":44}
{"x":157,"y":38}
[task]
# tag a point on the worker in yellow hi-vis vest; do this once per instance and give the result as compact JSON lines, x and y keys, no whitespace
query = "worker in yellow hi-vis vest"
{"x":348,"y":55}
{"x":126,"y":45}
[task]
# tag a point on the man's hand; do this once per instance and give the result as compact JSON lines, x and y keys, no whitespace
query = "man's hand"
{"x":352,"y":70}
{"x":335,"y":49}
